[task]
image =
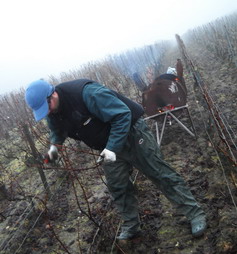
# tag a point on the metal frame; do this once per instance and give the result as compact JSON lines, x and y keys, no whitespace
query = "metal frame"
{"x":159,"y":135}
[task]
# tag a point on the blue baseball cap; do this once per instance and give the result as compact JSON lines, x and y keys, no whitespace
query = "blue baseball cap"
{"x":36,"y":98}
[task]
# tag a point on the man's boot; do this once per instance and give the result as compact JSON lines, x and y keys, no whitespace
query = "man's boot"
{"x":198,"y":225}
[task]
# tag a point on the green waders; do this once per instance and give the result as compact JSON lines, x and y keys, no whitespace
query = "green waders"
{"x":142,"y":152}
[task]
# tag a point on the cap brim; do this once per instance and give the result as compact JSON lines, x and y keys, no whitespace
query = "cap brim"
{"x":41,"y":112}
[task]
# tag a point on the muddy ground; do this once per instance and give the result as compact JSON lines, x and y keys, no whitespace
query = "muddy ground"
{"x":64,"y":228}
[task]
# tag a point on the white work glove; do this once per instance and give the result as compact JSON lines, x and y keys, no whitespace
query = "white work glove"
{"x":53,"y":153}
{"x":108,"y":155}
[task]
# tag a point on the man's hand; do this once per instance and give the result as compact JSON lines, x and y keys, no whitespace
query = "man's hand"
{"x":108,"y":155}
{"x":53,"y":153}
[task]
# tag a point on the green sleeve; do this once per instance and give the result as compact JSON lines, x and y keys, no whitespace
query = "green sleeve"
{"x":56,"y":136}
{"x":105,"y":105}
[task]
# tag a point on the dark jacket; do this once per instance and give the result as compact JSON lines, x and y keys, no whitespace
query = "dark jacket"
{"x":94,"y":114}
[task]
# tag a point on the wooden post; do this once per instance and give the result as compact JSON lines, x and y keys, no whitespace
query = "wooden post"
{"x":36,"y":156}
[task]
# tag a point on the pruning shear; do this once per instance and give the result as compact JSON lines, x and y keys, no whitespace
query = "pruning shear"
{"x":47,"y":160}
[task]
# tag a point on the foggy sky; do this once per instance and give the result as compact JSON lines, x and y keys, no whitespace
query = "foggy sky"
{"x":46,"y":37}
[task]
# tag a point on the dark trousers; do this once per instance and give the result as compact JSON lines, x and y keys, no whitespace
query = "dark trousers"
{"x":142,"y":152}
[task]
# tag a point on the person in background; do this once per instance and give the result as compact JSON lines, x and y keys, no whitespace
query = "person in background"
{"x":111,"y":123}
